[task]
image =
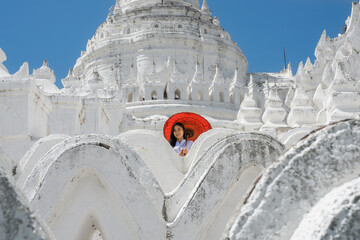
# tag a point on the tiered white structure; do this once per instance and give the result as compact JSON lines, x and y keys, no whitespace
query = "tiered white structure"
{"x":154,"y":50}
{"x":91,"y":162}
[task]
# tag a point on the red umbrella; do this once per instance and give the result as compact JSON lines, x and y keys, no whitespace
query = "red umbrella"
{"x":194,"y":125}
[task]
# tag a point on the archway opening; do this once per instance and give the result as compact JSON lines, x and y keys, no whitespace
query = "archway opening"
{"x":221,"y":96}
{"x":232,"y":100}
{"x":242,"y":96}
{"x":177,"y":94}
{"x":130,"y":97}
{"x":153,"y":95}
{"x":200,"y":96}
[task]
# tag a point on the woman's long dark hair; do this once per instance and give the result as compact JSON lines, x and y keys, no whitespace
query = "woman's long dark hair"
{"x":173,"y":139}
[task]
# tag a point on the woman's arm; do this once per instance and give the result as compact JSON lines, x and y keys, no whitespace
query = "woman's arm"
{"x":189,"y":144}
{"x":177,"y":149}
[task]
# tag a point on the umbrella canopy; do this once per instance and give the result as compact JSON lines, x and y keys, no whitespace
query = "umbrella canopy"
{"x":194,"y":125}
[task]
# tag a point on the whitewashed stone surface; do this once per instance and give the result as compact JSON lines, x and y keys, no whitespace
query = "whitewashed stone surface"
{"x":91,"y":160}
{"x":337,"y":215}
{"x":293,"y":186}
{"x":17,"y":221}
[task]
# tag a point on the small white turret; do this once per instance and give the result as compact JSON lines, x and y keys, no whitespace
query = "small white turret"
{"x":323,"y":48}
{"x":205,"y":8}
{"x":275,"y":112}
{"x":117,"y":8}
{"x":45,"y":78}
{"x":302,"y":111}
{"x":44,"y":73}
{"x":344,"y":92}
{"x":249,"y":113}
{"x":71,"y":81}
{"x":95,"y":81}
{"x":289,"y":70}
{"x":308,"y":64}
{"x":303,"y":77}
{"x":266,"y":89}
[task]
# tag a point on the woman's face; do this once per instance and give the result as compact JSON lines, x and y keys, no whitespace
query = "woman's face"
{"x":178,"y":132}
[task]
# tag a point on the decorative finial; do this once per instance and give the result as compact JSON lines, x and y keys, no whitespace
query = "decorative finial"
{"x":251,"y":86}
{"x":216,"y":21}
{"x":308,"y":63}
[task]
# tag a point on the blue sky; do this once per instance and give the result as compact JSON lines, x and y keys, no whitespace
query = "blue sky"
{"x":58,"y":30}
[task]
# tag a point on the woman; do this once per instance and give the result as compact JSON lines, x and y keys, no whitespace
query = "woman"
{"x":178,"y":139}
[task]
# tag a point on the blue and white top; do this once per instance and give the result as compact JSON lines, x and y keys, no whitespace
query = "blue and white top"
{"x":179,"y":146}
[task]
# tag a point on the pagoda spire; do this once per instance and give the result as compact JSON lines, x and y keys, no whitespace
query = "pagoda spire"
{"x":251,"y":86}
{"x":205,"y":7}
{"x":117,"y":8}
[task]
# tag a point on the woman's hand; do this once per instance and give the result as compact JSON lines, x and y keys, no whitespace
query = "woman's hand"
{"x":183,"y":152}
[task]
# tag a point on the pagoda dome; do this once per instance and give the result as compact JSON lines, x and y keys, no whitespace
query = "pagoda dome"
{"x":126,"y":5}
{"x":147,"y":36}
